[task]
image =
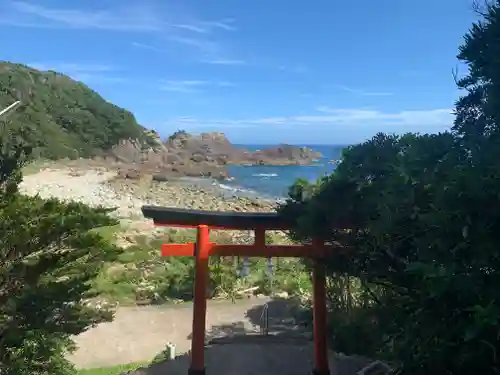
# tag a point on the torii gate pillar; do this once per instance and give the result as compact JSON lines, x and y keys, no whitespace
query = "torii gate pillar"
{"x":200,"y":302}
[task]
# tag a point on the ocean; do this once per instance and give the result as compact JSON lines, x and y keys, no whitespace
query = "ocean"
{"x":272,"y":182}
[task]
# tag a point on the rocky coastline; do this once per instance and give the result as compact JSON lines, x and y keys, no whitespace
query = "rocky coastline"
{"x":99,"y":185}
{"x":204,"y":155}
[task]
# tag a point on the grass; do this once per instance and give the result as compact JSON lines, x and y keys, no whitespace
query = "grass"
{"x":108,"y":233}
{"x":142,"y":276}
{"x":113,"y":370}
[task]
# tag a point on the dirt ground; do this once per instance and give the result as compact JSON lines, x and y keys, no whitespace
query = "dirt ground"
{"x":139,"y":333}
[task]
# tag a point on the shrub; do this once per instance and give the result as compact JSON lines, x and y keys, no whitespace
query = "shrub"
{"x":419,"y":217}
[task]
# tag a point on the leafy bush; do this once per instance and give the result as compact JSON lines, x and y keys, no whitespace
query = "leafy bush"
{"x":418,"y":217}
{"x":164,"y":355}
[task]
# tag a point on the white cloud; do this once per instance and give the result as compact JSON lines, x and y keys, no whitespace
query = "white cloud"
{"x":363,"y":92}
{"x":224,"y":62}
{"x":441,"y":116}
{"x":189,"y":123}
{"x":132,"y":17}
{"x":352,"y":120}
{"x":204,"y":46}
{"x":227,"y":24}
{"x":162,"y":23}
{"x":204,"y":27}
{"x":193,"y":28}
{"x":191,"y":86}
{"x":147,"y":46}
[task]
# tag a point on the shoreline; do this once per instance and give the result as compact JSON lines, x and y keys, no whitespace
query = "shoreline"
{"x":98,"y":185}
{"x":227,"y":191}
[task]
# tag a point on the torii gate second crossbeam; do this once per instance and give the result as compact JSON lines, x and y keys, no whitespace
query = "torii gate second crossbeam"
{"x":203,"y":248}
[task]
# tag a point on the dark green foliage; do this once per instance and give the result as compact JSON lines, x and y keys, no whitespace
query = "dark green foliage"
{"x":422,"y":214}
{"x":48,"y":259}
{"x":177,"y":134}
{"x":64,"y":117}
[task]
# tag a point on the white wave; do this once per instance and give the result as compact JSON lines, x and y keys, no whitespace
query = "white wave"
{"x":265,"y":175}
{"x":234,"y":189}
{"x":226,"y":187}
{"x":249,"y":193}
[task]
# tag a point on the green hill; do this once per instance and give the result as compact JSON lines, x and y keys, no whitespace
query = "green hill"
{"x":64,"y":117}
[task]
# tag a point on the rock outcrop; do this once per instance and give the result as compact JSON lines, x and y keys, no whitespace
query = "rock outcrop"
{"x":216,"y":147}
{"x":281,"y":155}
{"x":205,"y":155}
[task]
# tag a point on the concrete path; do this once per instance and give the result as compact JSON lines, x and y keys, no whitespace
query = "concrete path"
{"x":256,"y":359}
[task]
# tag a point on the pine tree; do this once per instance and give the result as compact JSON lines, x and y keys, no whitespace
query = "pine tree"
{"x":49,"y":255}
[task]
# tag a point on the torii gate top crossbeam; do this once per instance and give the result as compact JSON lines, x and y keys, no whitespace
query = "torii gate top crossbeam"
{"x":169,"y":216}
{"x":259,"y":222}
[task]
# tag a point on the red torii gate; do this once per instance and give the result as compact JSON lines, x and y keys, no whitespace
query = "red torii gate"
{"x":258,"y":222}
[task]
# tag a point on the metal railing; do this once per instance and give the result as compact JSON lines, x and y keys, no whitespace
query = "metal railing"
{"x":264,"y":320}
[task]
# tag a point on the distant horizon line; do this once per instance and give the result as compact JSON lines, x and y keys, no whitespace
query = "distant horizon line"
{"x":293,"y":144}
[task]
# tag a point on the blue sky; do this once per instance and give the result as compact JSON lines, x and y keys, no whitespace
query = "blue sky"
{"x":303,"y":72}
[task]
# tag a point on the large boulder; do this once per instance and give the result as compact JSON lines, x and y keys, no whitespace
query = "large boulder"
{"x":191,"y":169}
{"x":205,"y":143}
{"x":132,"y":152}
{"x":284,"y":155}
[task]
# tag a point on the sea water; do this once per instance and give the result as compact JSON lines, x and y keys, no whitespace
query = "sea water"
{"x":272,"y":182}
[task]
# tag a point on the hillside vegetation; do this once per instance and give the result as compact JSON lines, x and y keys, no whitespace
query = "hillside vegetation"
{"x":63,"y":117}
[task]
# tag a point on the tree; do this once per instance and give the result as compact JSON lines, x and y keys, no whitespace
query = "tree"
{"x":419,"y":217}
{"x":49,"y":255}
